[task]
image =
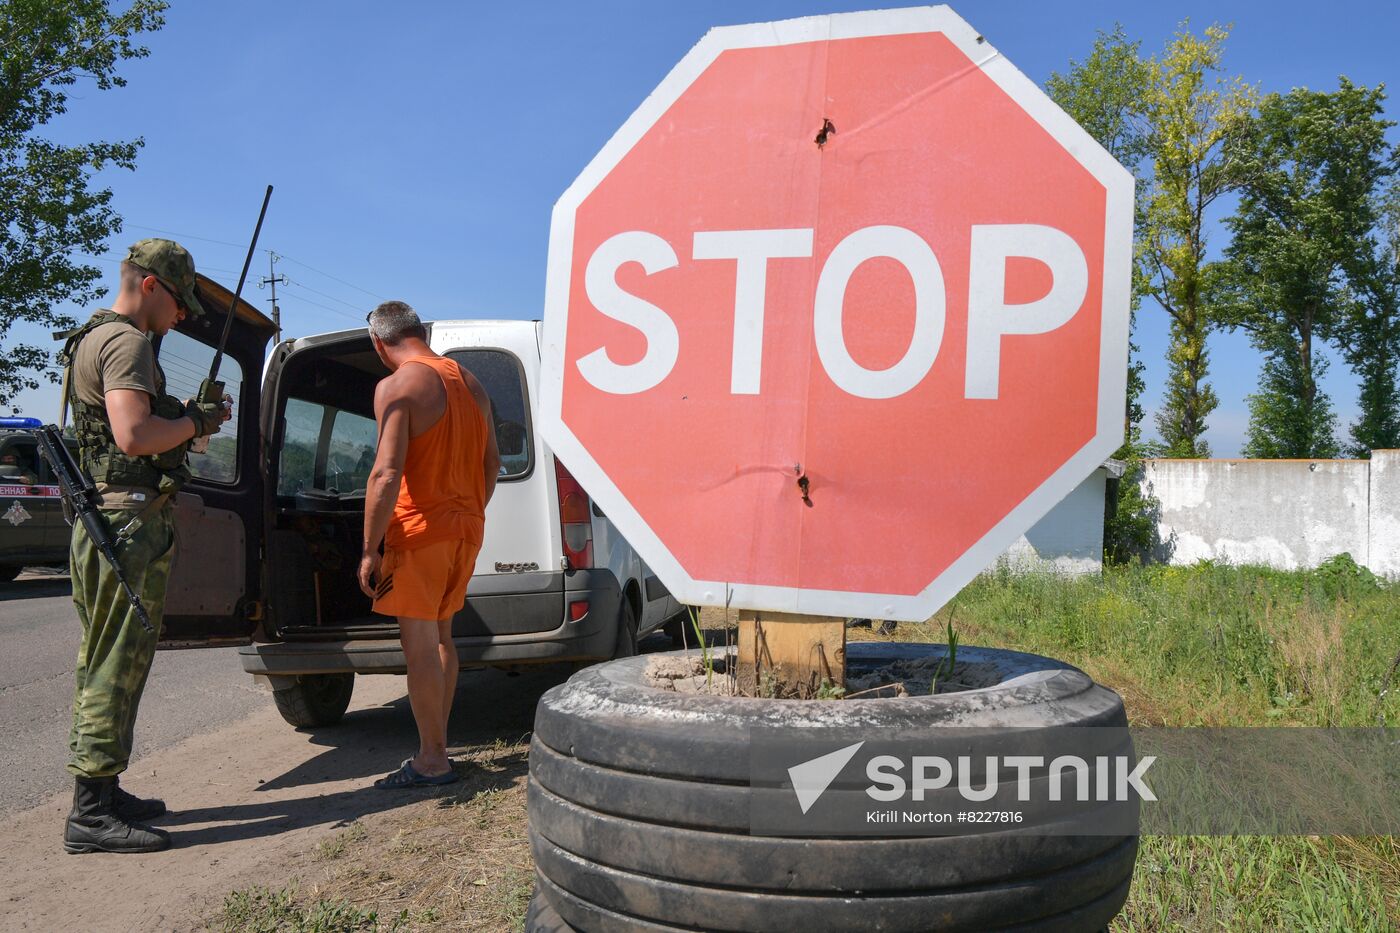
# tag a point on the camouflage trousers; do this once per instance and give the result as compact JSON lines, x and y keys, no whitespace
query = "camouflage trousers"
{"x":115,"y":654}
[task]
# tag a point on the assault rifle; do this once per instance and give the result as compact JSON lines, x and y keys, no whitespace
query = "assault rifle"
{"x":80,"y":494}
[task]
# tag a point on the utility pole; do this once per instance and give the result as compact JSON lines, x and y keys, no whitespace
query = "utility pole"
{"x":273,"y":278}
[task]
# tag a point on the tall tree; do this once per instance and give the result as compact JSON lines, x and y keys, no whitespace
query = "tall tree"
{"x":1369,"y":330}
{"x":1191,"y":112}
{"x":1103,"y":94}
{"x":1313,"y":164}
{"x":49,"y":210}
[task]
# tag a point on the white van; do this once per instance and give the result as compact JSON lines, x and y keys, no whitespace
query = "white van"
{"x":270,"y":535}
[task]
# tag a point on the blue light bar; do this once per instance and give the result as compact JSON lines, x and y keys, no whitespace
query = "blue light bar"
{"x":21,"y":423}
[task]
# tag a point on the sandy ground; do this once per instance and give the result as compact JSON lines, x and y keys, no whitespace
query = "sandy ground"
{"x":245,"y":799}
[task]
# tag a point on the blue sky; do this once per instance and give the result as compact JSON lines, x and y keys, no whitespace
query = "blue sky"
{"x":417,"y":148}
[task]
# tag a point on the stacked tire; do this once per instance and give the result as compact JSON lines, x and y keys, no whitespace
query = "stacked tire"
{"x":639,"y":808}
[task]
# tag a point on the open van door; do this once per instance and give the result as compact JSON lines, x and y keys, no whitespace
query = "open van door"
{"x":215,"y":593}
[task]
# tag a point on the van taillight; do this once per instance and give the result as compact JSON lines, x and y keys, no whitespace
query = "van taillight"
{"x":575,"y":524}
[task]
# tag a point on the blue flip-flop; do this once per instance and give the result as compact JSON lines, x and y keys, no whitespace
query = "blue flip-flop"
{"x":408,"y":776}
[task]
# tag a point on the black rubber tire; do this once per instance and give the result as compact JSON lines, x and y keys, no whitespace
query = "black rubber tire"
{"x":708,"y":907}
{"x":634,"y":727}
{"x":639,"y":805}
{"x":315,"y":699}
{"x":1093,"y":916}
{"x":626,"y":644}
{"x":541,"y":917}
{"x":8,"y":572}
{"x":675,"y":629}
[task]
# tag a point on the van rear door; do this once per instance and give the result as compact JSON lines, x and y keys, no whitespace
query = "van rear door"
{"x":214,"y":596}
{"x":517,"y":585}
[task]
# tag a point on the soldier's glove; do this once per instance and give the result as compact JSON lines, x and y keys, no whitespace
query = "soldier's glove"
{"x":208,"y":417}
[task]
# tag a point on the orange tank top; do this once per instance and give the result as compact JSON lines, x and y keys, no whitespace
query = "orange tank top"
{"x":444,"y":490}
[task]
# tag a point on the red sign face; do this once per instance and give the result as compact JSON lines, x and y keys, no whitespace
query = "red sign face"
{"x":837,"y":315}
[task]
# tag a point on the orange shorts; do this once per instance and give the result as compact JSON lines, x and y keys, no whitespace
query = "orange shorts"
{"x":428,"y":582}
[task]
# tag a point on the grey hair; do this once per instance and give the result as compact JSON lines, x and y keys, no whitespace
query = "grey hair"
{"x":392,"y":321}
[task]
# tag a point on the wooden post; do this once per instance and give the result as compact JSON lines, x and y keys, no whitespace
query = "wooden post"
{"x":783,"y":654}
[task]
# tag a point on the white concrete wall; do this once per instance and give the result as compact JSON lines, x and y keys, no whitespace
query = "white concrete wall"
{"x":1069,"y":539}
{"x":1281,"y":513}
{"x":1385,"y":513}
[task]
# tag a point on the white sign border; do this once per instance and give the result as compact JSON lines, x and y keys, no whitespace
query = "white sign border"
{"x":1113,"y":349}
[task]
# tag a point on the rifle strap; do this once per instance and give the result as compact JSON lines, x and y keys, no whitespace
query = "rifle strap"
{"x":135,"y":523}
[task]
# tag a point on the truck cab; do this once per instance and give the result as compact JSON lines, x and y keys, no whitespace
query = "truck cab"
{"x":32,"y":530}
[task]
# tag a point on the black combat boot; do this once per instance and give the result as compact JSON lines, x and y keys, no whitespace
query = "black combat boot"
{"x":135,"y":809}
{"x":94,"y":825}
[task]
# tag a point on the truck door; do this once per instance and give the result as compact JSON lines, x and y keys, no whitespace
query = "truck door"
{"x":215,"y":594}
{"x":27,"y":507}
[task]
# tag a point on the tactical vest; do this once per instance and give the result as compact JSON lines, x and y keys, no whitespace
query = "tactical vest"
{"x":98,"y":452}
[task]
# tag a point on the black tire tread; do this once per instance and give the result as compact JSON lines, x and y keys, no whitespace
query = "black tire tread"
{"x":307,"y":706}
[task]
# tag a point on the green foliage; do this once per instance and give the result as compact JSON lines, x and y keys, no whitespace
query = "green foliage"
{"x":1312,"y":163}
{"x":1369,"y":330}
{"x":1342,"y":577}
{"x":1168,"y":119}
{"x":262,"y":910}
{"x":1192,"y":113}
{"x":707,"y":660}
{"x":1288,"y":416}
{"x":48,"y":211}
{"x":1103,"y":94}
{"x":949,"y":663}
{"x":1210,"y":644}
{"x":1262,"y":884}
{"x":1130,"y":525}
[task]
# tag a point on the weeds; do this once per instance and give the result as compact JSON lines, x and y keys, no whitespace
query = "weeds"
{"x":949,"y":663}
{"x":335,"y":847}
{"x":1204,"y":645}
{"x":1217,"y":645}
{"x":262,"y":910}
{"x":705,"y":658}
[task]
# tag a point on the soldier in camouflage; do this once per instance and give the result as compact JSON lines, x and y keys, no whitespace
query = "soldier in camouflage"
{"x":132,"y":440}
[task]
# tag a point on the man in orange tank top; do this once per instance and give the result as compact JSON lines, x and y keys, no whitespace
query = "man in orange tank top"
{"x":434,"y":472}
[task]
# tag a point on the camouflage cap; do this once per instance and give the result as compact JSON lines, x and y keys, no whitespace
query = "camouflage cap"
{"x":172,"y":264}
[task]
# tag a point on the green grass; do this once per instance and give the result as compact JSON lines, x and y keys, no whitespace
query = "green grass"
{"x":336,"y":846}
{"x":262,"y":910}
{"x":1214,"y":645}
{"x":1207,"y":645}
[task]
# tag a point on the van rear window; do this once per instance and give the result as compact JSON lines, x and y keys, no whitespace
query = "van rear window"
{"x":503,"y":377}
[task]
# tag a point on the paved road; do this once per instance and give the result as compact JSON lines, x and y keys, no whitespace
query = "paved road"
{"x":189,"y":691}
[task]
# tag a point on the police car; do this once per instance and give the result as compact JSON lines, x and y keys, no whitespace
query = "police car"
{"x":33,"y":532}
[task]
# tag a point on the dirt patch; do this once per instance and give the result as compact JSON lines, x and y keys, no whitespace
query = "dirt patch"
{"x":901,"y":678}
{"x":284,"y":823}
{"x":914,"y":677}
{"x":459,"y":860}
{"x":688,"y":674}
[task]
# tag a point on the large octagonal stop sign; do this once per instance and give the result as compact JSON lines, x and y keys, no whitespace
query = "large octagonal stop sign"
{"x":838,"y":314}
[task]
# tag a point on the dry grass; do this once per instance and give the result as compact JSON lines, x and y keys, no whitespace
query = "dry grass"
{"x":459,"y":860}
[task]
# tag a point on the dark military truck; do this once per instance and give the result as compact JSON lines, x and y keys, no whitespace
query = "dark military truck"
{"x":32,"y":530}
{"x":270,"y":528}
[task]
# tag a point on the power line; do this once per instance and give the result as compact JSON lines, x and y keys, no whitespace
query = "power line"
{"x":294,"y":282}
{"x":333,"y":278}
{"x":183,"y":236}
{"x":118,"y":262}
{"x":191,"y":236}
{"x":356,"y":318}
